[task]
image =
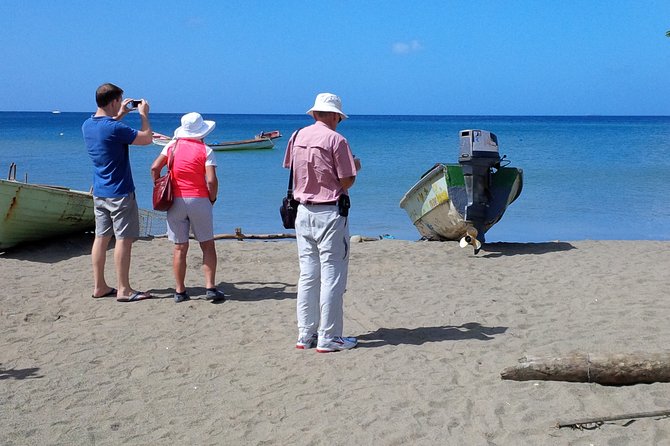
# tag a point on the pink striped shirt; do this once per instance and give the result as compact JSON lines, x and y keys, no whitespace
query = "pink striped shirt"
{"x":321,"y":157}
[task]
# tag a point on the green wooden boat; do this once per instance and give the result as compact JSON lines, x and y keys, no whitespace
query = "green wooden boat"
{"x":31,"y":212}
{"x":462,"y":201}
{"x":246,"y":144}
{"x":437,"y":202}
{"x":263,"y":140}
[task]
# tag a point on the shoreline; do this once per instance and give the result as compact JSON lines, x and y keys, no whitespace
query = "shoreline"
{"x":436,"y":326}
{"x":395,"y":153}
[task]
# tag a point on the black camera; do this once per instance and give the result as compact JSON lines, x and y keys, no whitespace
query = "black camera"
{"x":133,"y":104}
{"x":343,"y":205}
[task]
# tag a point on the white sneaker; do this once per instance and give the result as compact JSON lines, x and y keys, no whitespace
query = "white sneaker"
{"x":306,"y":342}
{"x":336,"y":344}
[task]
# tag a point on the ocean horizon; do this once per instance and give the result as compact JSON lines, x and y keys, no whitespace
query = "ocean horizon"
{"x":585,"y":177}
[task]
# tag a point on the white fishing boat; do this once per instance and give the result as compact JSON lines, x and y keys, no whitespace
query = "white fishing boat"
{"x":462,"y":201}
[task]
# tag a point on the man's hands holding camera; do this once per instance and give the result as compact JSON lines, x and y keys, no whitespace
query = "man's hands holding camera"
{"x":141,"y":105}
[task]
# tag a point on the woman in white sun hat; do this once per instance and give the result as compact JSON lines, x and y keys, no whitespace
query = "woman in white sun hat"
{"x":324,"y":170}
{"x":195,"y":187}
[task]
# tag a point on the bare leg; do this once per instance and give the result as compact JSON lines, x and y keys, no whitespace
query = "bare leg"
{"x":122,"y":251}
{"x":209,"y":262}
{"x":98,"y":259}
{"x":179,"y":266}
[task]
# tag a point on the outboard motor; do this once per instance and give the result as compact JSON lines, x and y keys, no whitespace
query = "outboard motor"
{"x":479,"y":154}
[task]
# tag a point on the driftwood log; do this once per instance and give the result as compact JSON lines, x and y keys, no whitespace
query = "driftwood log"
{"x":616,"y":369}
{"x":241,"y":236}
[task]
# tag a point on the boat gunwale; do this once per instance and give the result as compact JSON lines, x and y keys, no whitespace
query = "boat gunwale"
{"x":242,"y":141}
{"x":48,"y":186}
{"x":424,"y":178}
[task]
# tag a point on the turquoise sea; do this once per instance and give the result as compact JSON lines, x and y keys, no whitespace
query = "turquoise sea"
{"x":592,"y":177}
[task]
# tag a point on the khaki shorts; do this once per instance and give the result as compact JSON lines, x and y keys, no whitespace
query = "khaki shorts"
{"x":117,"y":216}
{"x":190,"y":215}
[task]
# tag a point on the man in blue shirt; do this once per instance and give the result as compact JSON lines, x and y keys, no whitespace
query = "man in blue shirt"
{"x":116,"y":213}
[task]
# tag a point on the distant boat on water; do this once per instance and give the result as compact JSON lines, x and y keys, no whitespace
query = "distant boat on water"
{"x":272,"y":134}
{"x":159,"y":139}
{"x":245,"y":144}
{"x":263,"y":140}
{"x":55,"y":112}
{"x":31,"y":212}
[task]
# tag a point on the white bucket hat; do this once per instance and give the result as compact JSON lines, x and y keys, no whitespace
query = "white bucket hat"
{"x":193,"y":126}
{"x":327,"y":102}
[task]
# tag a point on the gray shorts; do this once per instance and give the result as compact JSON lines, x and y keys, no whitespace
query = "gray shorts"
{"x":188,"y":214}
{"x":117,"y":216}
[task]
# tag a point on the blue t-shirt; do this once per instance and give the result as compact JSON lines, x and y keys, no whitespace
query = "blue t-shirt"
{"x":107,"y":144}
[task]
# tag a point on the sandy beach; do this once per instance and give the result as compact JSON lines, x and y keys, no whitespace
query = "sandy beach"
{"x":436,"y":326}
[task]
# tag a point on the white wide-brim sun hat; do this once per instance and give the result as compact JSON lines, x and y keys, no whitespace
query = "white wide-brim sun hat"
{"x":193,"y":126}
{"x":327,"y":102}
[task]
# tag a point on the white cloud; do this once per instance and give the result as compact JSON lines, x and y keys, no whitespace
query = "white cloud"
{"x":195,"y":22}
{"x":406,"y":47}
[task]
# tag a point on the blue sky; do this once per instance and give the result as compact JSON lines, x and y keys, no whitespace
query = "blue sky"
{"x":423,"y":57}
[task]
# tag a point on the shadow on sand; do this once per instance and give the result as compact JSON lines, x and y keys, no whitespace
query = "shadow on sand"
{"x":52,"y":250}
{"x":500,"y":249}
{"x":56,"y":249}
{"x":421,"y":335}
{"x":30,"y":373}
{"x":260,"y":291}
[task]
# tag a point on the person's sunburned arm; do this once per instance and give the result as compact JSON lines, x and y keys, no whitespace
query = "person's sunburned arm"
{"x":157,"y":166}
{"x":349,"y":181}
{"x":212,"y":182}
{"x":144,"y":136}
{"x":346,"y":183}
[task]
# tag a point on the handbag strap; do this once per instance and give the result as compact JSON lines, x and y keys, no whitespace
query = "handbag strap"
{"x":170,"y":159}
{"x":290,"y":175}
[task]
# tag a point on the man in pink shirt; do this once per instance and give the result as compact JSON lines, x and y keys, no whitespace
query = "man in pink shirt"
{"x":323,"y":171}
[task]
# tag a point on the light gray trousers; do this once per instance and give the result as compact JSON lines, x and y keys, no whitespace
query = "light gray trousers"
{"x":323,"y":250}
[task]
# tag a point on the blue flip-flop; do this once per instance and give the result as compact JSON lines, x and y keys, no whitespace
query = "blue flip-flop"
{"x":136,"y":296}
{"x":110,"y":293}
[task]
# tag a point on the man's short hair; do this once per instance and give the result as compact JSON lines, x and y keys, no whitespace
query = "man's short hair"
{"x":106,"y":93}
{"x":325,"y":114}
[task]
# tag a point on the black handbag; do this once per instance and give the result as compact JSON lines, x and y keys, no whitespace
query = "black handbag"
{"x":289,"y":206}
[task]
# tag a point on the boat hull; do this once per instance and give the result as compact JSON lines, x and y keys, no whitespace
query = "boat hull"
{"x":249,"y":144}
{"x":160,"y":139}
{"x":436,"y":203}
{"x":273,"y":134}
{"x":30,"y":212}
{"x":260,"y":142}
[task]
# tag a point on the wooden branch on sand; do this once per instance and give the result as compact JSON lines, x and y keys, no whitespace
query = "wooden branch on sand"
{"x":590,"y":423}
{"x":617,"y":369}
{"x":240,"y":236}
